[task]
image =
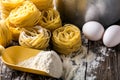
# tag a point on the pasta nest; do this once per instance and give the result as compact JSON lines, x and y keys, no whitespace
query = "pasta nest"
{"x":26,"y":15}
{"x":14,"y":30}
{"x":37,"y":37}
{"x":5,"y":34}
{"x":66,"y":39}
{"x":43,"y":4}
{"x":8,"y":5}
{"x":50,"y":19}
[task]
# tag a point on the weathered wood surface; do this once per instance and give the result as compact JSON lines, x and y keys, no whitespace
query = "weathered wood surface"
{"x":109,"y":69}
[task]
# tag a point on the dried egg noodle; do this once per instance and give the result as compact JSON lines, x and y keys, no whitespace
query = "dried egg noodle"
{"x":26,"y":15}
{"x":14,"y":30}
{"x":5,"y":34}
{"x":50,"y":19}
{"x":36,"y":37}
{"x":66,"y":39}
{"x":43,"y":4}
{"x":1,"y":49}
{"x":8,"y":5}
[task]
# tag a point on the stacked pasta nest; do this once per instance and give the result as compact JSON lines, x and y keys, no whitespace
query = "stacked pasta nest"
{"x":66,"y":39}
{"x":34,"y":23}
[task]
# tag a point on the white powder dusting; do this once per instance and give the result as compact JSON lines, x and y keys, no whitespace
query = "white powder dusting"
{"x":108,"y":67}
{"x":104,"y":51}
{"x":99,"y":58}
{"x":74,"y":67}
{"x":91,"y":77}
{"x":47,"y":61}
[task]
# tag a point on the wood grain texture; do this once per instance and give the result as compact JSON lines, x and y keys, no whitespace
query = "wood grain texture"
{"x":109,"y":69}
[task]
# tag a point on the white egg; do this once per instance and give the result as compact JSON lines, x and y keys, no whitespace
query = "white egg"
{"x":93,"y":30}
{"x":111,"y":36}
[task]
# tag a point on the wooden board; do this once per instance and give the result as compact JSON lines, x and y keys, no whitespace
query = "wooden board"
{"x":108,"y":69}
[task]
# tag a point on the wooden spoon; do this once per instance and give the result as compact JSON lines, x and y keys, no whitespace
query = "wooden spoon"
{"x":11,"y":56}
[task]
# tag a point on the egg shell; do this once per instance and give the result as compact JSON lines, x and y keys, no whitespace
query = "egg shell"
{"x":93,"y":30}
{"x":111,"y":36}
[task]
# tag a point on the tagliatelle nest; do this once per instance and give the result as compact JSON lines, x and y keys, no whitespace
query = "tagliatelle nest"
{"x":8,"y":5}
{"x":43,"y":4}
{"x":50,"y":19}
{"x":5,"y":34}
{"x":14,"y":30}
{"x":26,"y":15}
{"x":36,"y":37}
{"x":66,"y":39}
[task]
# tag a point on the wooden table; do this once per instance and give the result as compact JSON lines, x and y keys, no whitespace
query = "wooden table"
{"x":109,"y":69}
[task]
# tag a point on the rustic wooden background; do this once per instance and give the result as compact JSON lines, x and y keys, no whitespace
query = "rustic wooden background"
{"x":107,"y":70}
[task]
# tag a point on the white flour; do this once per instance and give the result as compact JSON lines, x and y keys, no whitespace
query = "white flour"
{"x":47,"y":61}
{"x":74,"y":67}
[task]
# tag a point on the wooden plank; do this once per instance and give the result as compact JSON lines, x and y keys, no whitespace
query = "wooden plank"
{"x":118,"y":60}
{"x":108,"y":69}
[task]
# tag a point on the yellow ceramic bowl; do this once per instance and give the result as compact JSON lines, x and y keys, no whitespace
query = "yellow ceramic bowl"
{"x":15,"y":54}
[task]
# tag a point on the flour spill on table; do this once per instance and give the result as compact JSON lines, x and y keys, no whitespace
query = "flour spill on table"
{"x":75,"y":66}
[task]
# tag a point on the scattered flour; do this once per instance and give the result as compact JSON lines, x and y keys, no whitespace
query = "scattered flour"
{"x":47,"y":61}
{"x":74,"y":67}
{"x":103,"y":51}
{"x":91,"y":77}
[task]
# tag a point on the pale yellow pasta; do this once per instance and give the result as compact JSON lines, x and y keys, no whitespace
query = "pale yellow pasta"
{"x":66,"y":39}
{"x":4,"y":14}
{"x":10,"y":4}
{"x":1,"y":49}
{"x":26,"y":15}
{"x":7,"y":5}
{"x":5,"y":34}
{"x":36,"y":37}
{"x":43,"y":4}
{"x":50,"y":19}
{"x":14,"y":30}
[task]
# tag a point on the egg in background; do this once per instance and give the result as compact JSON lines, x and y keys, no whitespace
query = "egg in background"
{"x":111,"y":36}
{"x":93,"y":30}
